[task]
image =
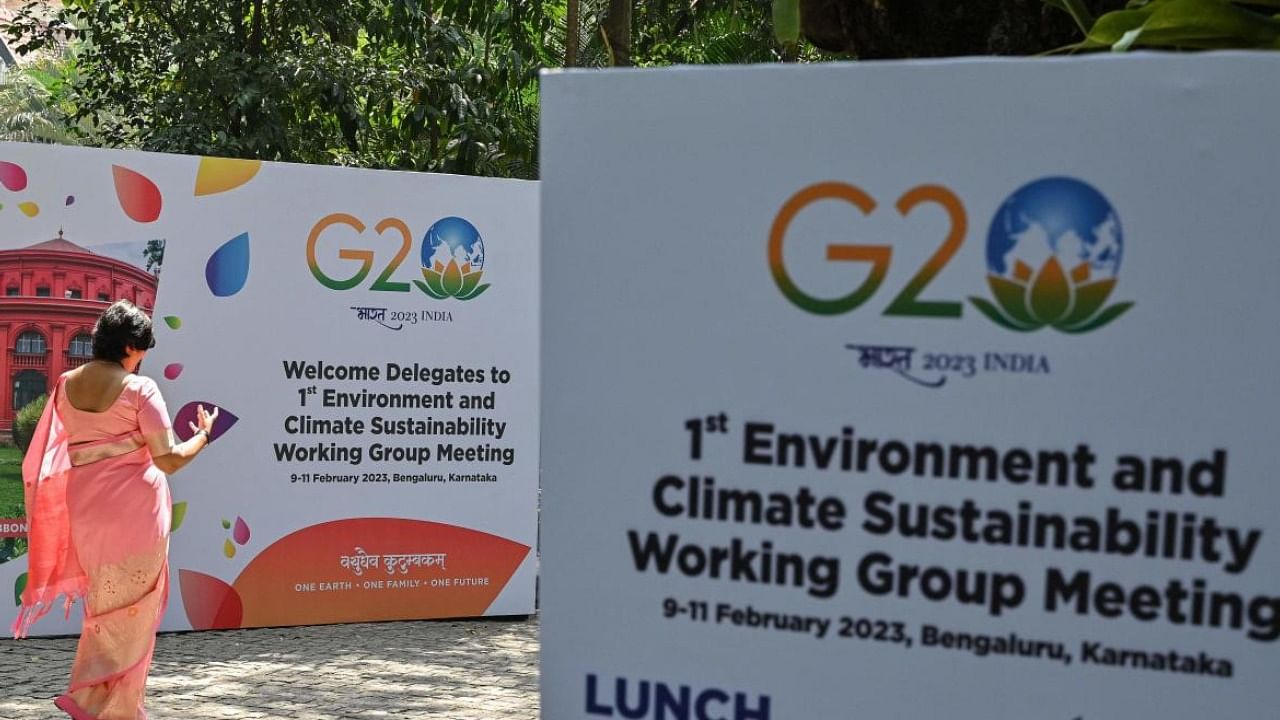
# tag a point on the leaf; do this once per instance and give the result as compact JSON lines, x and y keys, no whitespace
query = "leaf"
{"x":786,"y":21}
{"x":1103,"y":318}
{"x":1127,"y":40}
{"x":179,"y":514}
{"x":19,"y":586}
{"x":995,"y":316}
{"x":1197,"y":24}
{"x":1076,"y":8}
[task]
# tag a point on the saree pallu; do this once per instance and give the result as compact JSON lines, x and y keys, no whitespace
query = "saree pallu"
{"x":98,"y":526}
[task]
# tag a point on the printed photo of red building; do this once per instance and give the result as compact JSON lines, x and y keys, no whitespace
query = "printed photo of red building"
{"x":51,"y":293}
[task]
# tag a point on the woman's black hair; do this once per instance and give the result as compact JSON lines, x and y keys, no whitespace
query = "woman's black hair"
{"x":120,"y":327}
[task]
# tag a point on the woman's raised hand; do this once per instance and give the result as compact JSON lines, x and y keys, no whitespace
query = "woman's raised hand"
{"x":204,"y":421}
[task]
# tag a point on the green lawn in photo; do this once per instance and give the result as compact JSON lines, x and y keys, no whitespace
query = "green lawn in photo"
{"x":10,"y":482}
{"x":11,"y":503}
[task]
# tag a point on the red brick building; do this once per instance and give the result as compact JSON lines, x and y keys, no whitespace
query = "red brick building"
{"x":50,"y":295}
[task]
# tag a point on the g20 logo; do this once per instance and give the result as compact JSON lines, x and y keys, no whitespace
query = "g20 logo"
{"x":453,"y":257}
{"x":1053,"y":255}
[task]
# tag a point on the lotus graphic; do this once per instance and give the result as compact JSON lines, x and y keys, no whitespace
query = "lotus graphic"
{"x":1053,"y":253}
{"x":452,"y":260}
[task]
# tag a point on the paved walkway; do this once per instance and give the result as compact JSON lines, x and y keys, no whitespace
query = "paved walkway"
{"x":468,"y":670}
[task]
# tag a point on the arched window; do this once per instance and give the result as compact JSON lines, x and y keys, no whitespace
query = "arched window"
{"x":82,"y":346}
{"x":27,"y":386}
{"x":31,"y":343}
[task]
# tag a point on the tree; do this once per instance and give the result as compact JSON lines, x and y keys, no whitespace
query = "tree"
{"x":870,"y":29}
{"x":153,"y":253}
{"x":382,"y":83}
{"x":936,"y":28}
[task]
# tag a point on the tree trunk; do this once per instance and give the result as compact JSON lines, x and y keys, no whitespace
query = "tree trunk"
{"x":872,"y":29}
{"x":617,"y":30}
{"x":573,"y":34}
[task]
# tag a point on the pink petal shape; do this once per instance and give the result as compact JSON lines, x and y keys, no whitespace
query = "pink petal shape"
{"x":12,"y":176}
{"x":241,"y":532}
{"x":187,"y":415}
{"x":211,"y":604}
{"x":172,"y":371}
{"x":139,"y":197}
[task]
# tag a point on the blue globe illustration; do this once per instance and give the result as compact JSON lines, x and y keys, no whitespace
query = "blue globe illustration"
{"x":453,"y":238}
{"x":1055,"y":217}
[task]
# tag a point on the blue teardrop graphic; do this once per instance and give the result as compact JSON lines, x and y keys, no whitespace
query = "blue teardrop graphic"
{"x":228,"y":267}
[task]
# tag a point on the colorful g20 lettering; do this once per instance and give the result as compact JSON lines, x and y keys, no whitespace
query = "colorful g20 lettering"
{"x":453,"y":257}
{"x":1053,"y":255}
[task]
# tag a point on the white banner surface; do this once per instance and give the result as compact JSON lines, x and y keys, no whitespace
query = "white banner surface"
{"x":912,"y":390}
{"x":370,"y":338}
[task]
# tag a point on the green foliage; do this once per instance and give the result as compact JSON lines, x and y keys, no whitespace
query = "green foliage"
{"x":35,"y":105}
{"x":153,"y":254}
{"x":380,"y":83}
{"x":24,"y":425}
{"x":1180,"y":25}
{"x":11,"y":500}
{"x":429,"y":85}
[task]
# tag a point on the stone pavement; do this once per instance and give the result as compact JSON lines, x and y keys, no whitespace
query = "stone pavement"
{"x":445,"y":670}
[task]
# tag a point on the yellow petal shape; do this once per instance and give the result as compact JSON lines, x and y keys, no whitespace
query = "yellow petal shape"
{"x":228,"y":549}
{"x":29,"y":209}
{"x":218,"y":175}
{"x":1050,"y":295}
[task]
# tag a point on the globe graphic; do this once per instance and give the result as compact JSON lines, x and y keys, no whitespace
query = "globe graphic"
{"x":453,"y":238}
{"x":1055,"y":217}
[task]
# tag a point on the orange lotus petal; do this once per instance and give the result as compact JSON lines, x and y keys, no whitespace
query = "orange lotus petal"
{"x":1022,"y":271}
{"x":1049,"y":297}
{"x":1080,"y":273}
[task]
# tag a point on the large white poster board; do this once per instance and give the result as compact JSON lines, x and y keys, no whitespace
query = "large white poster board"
{"x":370,"y":338}
{"x":912,"y":390}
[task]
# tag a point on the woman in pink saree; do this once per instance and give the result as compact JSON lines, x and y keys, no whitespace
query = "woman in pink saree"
{"x":98,"y":514}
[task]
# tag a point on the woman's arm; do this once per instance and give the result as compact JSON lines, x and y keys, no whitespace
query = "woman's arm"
{"x":182,"y":453}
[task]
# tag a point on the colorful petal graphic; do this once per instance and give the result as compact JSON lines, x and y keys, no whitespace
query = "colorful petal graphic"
{"x":179,"y":514}
{"x":228,"y":549}
{"x":187,"y":415}
{"x":29,"y":209}
{"x":241,"y":532}
{"x":139,"y":197}
{"x":218,"y":175}
{"x":173,"y":321}
{"x":12,"y":176}
{"x":172,"y":371}
{"x":268,"y":584}
{"x":211,"y":604}
{"x":71,"y":200}
{"x":226,"y":524}
{"x":228,"y":267}
{"x":19,"y":586}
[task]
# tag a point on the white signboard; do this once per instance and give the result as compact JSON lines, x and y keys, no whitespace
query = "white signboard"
{"x":912,"y":390}
{"x":370,"y":339}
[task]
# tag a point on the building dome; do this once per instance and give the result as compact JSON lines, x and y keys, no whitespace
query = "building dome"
{"x":51,"y":293}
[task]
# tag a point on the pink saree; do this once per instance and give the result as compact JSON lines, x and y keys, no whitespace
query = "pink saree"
{"x":98,"y":515}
